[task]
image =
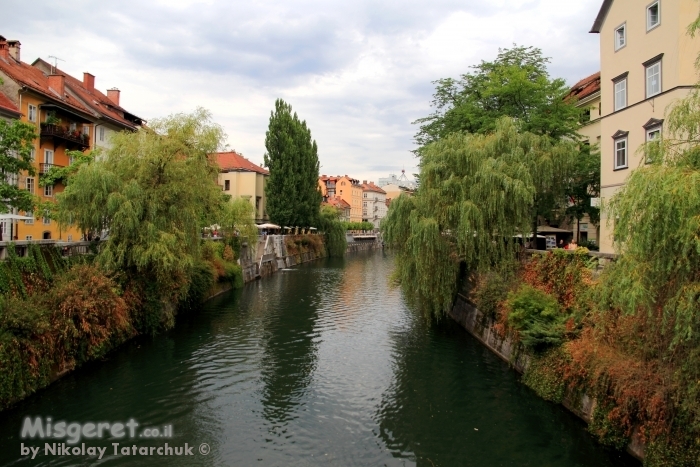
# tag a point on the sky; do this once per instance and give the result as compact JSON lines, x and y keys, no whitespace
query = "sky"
{"x":359,"y":72}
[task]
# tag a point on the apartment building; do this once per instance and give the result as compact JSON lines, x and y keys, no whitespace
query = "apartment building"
{"x":647,"y":64}
{"x":346,"y":188}
{"x":374,"y":206}
{"x":240,"y":178}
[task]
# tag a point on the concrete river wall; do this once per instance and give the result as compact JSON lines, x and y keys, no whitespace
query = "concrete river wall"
{"x":482,"y":327}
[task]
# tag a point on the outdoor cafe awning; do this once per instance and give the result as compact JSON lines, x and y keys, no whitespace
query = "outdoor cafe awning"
{"x":268,"y":226}
{"x":15,"y":217}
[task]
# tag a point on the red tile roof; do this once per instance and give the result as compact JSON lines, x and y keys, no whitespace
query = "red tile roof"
{"x":8,"y":106}
{"x":586,"y":87}
{"x":94,"y":98}
{"x":372,"y":187}
{"x":338,"y":203}
{"x":37,"y":81}
{"x":234,"y":162}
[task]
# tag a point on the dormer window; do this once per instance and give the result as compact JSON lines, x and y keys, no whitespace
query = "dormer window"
{"x":653,"y":16}
{"x":620,"y":37}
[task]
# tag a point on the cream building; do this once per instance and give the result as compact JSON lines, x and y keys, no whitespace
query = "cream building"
{"x":346,"y":188}
{"x":647,"y":63}
{"x":374,"y":207}
{"x":240,"y":178}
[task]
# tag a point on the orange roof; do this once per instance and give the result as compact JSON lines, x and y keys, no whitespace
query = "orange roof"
{"x":586,"y":87}
{"x":94,"y":98}
{"x":37,"y":81}
{"x":234,"y":162}
{"x":8,"y":106}
{"x":338,"y":203}
{"x":372,"y":187}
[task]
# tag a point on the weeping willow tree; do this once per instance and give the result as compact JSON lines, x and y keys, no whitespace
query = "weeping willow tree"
{"x":476,"y":196}
{"x":152,"y":191}
{"x":334,"y":231}
{"x":236,"y":218}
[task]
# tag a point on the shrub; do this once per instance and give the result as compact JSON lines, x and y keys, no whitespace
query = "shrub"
{"x":537,"y":318}
{"x":491,"y":290}
{"x":234,"y":274}
{"x":228,"y":254}
{"x":202,"y":278}
{"x":544,"y":374}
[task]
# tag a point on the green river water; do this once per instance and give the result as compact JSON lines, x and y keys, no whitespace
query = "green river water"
{"x":323,"y":365}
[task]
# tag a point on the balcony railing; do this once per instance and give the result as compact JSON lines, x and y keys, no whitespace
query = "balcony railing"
{"x":44,"y":167}
{"x":66,"y":134}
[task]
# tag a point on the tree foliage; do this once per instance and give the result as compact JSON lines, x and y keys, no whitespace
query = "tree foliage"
{"x":477,"y":193}
{"x":334,"y":230}
{"x":16,"y":143}
{"x":236,"y":219}
{"x":584,"y":184}
{"x":515,"y":85}
{"x":293,"y":197}
{"x":153,"y":191}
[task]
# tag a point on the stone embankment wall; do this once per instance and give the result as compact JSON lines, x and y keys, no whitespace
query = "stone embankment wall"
{"x":482,"y":327}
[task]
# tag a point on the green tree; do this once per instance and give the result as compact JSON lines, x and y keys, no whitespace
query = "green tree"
{"x":477,"y":193}
{"x":236,"y":218}
{"x":293,"y":197}
{"x":153,"y":191}
{"x":516,"y":84}
{"x":334,"y":231}
{"x":16,"y":143}
{"x":583,"y":185}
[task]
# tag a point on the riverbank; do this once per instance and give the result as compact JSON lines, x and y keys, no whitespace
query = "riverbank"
{"x":484,"y":329}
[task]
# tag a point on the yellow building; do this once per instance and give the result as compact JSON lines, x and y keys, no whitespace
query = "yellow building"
{"x":346,"y":188}
{"x":240,"y":178}
{"x":647,"y":64}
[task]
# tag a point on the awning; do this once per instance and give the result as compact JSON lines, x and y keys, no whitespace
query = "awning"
{"x":268,"y":226}
{"x":548,"y":229}
{"x":15,"y":217}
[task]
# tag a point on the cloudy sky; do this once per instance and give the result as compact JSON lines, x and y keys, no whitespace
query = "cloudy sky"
{"x":359,"y":72}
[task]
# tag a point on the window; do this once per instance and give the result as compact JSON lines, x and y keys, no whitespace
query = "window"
{"x":652,"y":134}
{"x":28,"y":238}
{"x":46,"y":220}
{"x":48,"y":156}
{"x":621,"y":153}
{"x":32,"y":154}
{"x":70,"y":237}
{"x":653,"y":16}
{"x":29,"y":214}
{"x":48,"y":190}
{"x":227,"y":185}
{"x":30,"y":184}
{"x":73,"y":126}
{"x":71,"y":159}
{"x":620,"y":37}
{"x":31,"y":113}
{"x":86,"y":130}
{"x":102,"y":134}
{"x":621,"y":94}
{"x":653,"y":73}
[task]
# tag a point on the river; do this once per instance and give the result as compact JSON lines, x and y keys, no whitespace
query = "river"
{"x":323,"y":365}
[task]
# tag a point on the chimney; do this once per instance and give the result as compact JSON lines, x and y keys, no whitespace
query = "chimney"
{"x":13,"y":47}
{"x":57,"y":83}
{"x":113,"y":95}
{"x":4,"y":49}
{"x":89,"y":81}
{"x":364,"y":182}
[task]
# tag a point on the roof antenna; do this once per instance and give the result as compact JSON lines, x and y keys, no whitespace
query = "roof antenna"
{"x":55,"y":63}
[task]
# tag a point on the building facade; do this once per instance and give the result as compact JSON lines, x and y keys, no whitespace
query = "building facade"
{"x":346,"y":188}
{"x":374,"y":206}
{"x":65,"y":113}
{"x":647,"y":64}
{"x":240,"y":178}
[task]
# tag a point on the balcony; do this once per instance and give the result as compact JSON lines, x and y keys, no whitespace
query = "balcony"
{"x":44,"y":168}
{"x":61,"y":134}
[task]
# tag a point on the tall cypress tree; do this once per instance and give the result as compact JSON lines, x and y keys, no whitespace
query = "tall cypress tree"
{"x":293,"y":197}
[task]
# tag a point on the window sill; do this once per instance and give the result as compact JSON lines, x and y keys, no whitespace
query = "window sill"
{"x":620,"y":168}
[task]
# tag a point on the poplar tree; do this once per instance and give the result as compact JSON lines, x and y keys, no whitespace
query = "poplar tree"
{"x":293,"y":197}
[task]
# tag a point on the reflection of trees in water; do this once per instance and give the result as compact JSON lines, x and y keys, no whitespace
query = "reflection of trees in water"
{"x":446,"y":385}
{"x":289,"y":348}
